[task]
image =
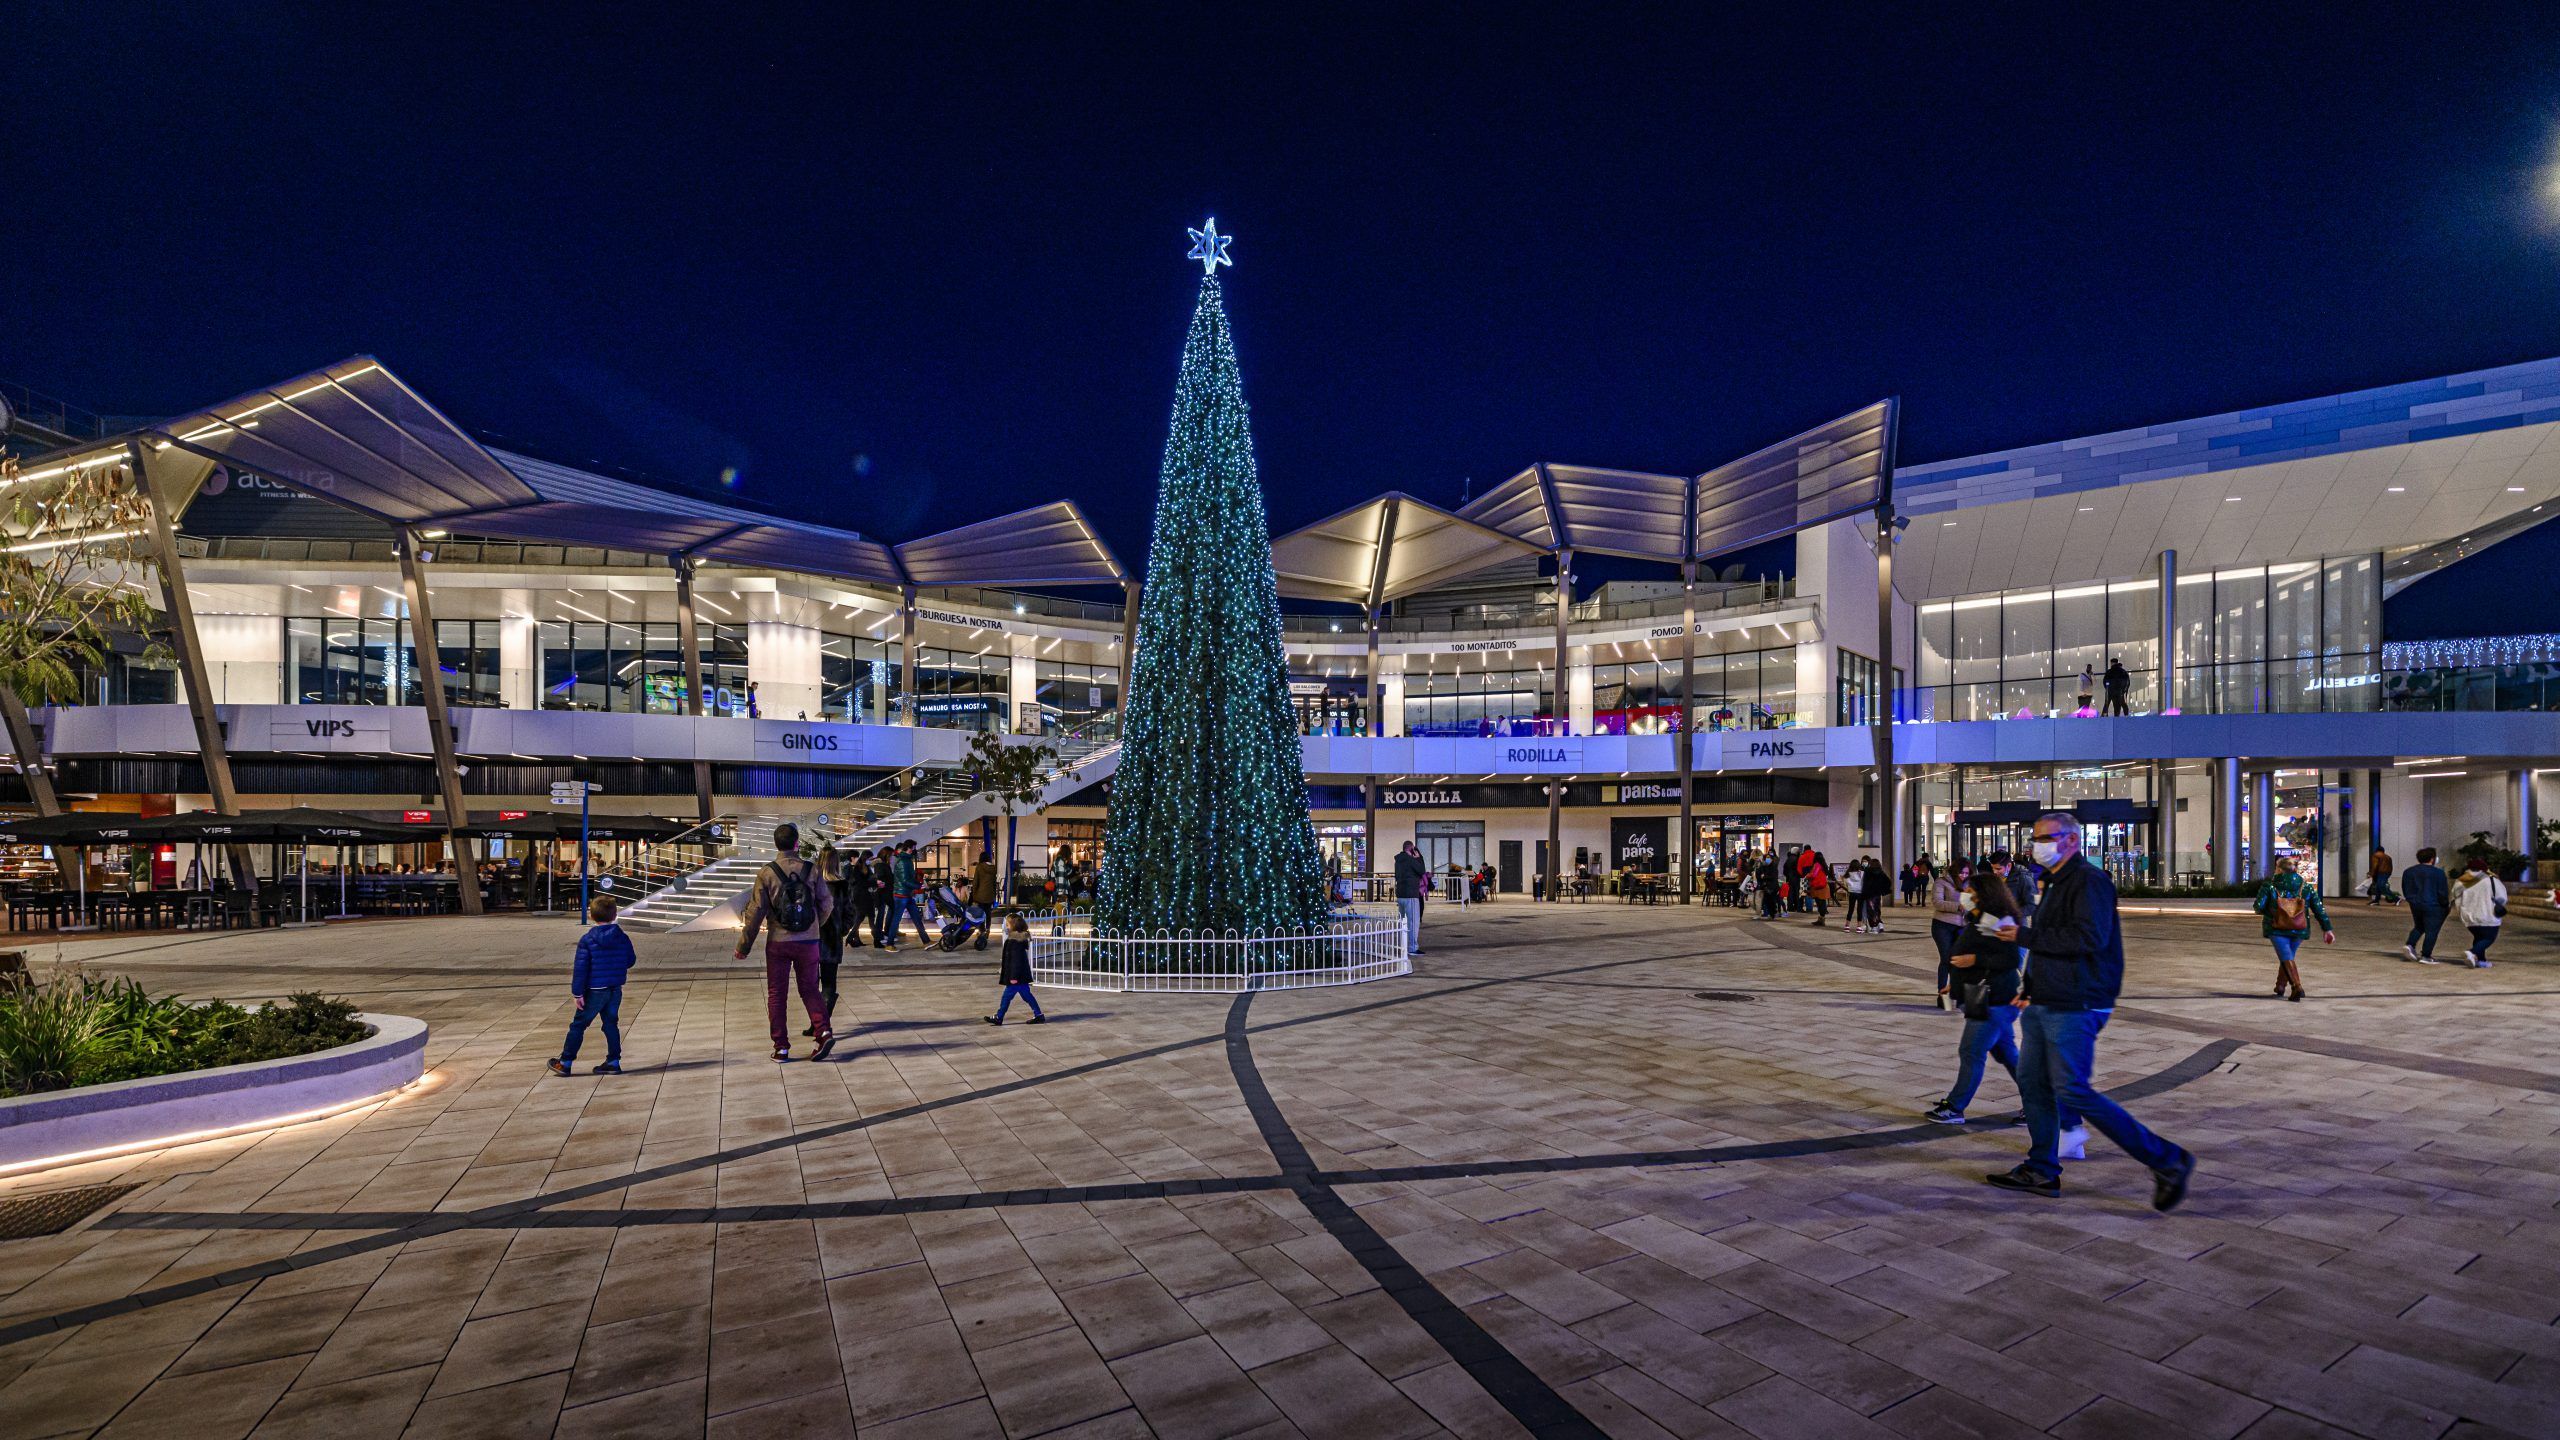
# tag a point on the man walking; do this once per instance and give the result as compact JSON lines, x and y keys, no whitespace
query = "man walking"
{"x":790,"y":894}
{"x":2075,"y":967}
{"x":2429,"y":892}
{"x":1409,"y":895}
{"x":910,"y":892}
{"x":2378,"y":878}
{"x":2119,"y":683}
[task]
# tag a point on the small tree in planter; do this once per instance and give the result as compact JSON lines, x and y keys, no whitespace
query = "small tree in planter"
{"x":1014,"y":776}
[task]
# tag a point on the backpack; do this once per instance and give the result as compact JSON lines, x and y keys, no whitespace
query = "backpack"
{"x":795,"y":900}
{"x":2292,"y":912}
{"x":1855,"y":880}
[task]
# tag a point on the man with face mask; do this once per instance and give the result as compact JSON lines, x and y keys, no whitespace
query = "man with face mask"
{"x":2075,"y":967}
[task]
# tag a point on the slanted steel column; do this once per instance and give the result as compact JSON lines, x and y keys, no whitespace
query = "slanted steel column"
{"x":211,"y":751}
{"x":422,"y":640}
{"x":688,"y":635}
{"x":22,"y":739}
{"x":1564,"y":722}
{"x":1376,"y":727}
{"x":1685,"y":739}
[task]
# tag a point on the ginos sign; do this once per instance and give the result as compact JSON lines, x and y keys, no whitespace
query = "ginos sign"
{"x":798,"y":740}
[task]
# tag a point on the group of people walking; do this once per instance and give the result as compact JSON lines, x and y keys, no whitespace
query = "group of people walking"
{"x":807,"y":911}
{"x":1781,"y":885}
{"x":2474,"y":895}
{"x":2032,"y":954}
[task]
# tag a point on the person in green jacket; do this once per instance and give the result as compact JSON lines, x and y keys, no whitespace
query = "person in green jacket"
{"x":2287,"y":904}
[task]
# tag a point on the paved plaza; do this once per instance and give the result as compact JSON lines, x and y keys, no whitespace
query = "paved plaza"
{"x":1594,"y":1170}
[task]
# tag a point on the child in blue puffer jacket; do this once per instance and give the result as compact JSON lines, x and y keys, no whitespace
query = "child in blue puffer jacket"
{"x":595,"y":979}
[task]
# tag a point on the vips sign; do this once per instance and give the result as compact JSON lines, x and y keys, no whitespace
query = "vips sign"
{"x":800,"y":743}
{"x":334,"y":728}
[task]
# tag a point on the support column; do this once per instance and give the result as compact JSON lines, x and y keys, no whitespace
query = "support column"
{"x":2520,"y":816}
{"x":907,"y":648}
{"x":1128,"y":645}
{"x":422,"y":636}
{"x":1375,"y":728}
{"x":2227,"y":864}
{"x":211,"y":750}
{"x":1685,"y":738}
{"x":1887,"y":851}
{"x":1555,"y":786}
{"x":689,"y":638}
{"x":2262,"y":830}
{"x":2170,"y":659}
{"x":2164,"y":831}
{"x":2373,"y":813}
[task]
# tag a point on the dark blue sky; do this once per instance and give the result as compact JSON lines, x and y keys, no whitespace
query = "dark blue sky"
{"x":683,"y":239}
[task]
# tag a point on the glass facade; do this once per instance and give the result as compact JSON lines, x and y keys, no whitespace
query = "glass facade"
{"x":1745,"y":690}
{"x":962,"y":690}
{"x":858,"y":677}
{"x":2302,"y":636}
{"x":1077,"y":699}
{"x":1479,"y":702}
{"x":635,"y":669}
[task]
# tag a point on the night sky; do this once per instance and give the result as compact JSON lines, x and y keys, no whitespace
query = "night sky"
{"x":899,"y":275}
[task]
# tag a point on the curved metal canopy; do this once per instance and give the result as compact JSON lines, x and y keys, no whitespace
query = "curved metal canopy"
{"x":357,"y":436}
{"x":1385,"y":549}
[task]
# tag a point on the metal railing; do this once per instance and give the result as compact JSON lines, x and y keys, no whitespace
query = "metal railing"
{"x":1720,"y":599}
{"x":1354,"y":947}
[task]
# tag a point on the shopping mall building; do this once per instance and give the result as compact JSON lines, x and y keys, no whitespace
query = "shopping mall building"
{"x":367,"y":609}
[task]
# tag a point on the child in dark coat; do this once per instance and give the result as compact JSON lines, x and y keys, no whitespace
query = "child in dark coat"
{"x":1015,"y":971}
{"x":595,"y":979}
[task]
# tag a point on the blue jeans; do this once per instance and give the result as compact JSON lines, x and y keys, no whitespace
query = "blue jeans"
{"x":1412,"y":908}
{"x":2056,"y":1051}
{"x":2423,"y":925}
{"x":1944,"y":936}
{"x":1982,"y":1037}
{"x":1004,"y":1002}
{"x":2286,"y":943}
{"x":603,"y":1003}
{"x":910,"y":905}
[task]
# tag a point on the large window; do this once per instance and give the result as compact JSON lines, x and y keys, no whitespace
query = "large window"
{"x":1477,"y":702}
{"x":858,"y":678}
{"x":609,"y":665}
{"x":1989,"y":656}
{"x":961,"y":690}
{"x":1075,"y":698}
{"x":1857,"y":689}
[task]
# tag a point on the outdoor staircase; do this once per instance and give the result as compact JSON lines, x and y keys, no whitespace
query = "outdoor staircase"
{"x":920,"y":805}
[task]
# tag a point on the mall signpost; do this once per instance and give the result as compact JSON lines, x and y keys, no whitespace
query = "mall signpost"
{"x":575,"y":792}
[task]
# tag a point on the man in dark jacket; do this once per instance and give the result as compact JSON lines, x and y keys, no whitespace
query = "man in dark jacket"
{"x":2119,"y":683}
{"x":2430,"y":897}
{"x":1409,"y":895}
{"x":2075,"y":967}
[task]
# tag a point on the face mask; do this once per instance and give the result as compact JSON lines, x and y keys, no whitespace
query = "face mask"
{"x":2046,"y":852}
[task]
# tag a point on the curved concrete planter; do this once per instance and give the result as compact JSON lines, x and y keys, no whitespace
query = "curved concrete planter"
{"x":136,"y":1114}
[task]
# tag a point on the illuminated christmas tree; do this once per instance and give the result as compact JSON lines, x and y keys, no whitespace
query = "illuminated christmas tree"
{"x":1208,"y":827}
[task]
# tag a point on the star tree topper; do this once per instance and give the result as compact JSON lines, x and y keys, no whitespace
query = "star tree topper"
{"x":1210,"y":248}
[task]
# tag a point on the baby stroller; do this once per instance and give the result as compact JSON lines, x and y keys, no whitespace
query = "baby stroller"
{"x":960,"y":920}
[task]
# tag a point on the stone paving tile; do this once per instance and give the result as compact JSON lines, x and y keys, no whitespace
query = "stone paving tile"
{"x":2370,"y":1247}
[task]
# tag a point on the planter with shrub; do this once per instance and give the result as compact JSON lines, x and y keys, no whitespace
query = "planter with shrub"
{"x":92,"y":1064}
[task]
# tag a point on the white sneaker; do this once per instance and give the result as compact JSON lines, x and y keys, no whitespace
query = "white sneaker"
{"x":2470,"y":959}
{"x":2073,"y":1144}
{"x":2409,"y":951}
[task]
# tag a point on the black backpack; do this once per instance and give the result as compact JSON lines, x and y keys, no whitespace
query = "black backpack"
{"x":795,"y":900}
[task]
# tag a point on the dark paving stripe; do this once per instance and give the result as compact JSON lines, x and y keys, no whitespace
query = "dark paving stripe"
{"x":2511,"y":1076}
{"x":1504,"y":1376}
{"x":2202,"y":1063}
{"x":2195,"y":1067}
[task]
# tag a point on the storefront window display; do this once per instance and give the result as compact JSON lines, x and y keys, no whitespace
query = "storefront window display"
{"x":1464,"y":701}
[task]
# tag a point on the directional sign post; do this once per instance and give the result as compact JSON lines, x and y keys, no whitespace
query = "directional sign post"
{"x":565,"y":792}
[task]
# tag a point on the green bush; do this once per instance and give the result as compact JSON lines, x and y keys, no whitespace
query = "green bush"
{"x":72,"y":1028}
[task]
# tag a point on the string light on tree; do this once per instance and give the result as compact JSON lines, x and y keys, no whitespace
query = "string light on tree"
{"x":1208,"y":827}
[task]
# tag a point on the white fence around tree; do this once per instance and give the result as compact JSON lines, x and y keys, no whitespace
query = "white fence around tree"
{"x":1356,"y":945}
